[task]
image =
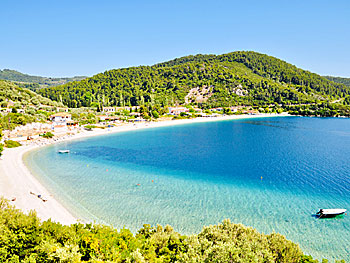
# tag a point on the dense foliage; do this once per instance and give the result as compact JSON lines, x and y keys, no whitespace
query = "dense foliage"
{"x":345,"y":81}
{"x":11,"y":144}
{"x":238,"y":78}
{"x":1,"y":145}
{"x":48,"y":135}
{"x":23,"y":238}
{"x":16,"y":76}
{"x":21,"y":99}
{"x":21,"y":96}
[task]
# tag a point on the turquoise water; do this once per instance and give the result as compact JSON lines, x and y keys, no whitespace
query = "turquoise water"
{"x":269,"y":173}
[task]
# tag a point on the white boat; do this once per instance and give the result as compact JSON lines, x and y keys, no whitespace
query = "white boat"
{"x":63,"y":151}
{"x":330,"y":212}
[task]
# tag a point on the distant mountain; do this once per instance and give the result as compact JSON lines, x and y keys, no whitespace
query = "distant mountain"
{"x":237,"y":78}
{"x":36,"y":82}
{"x":345,"y":81}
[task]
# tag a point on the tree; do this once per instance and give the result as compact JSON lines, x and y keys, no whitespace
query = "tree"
{"x":1,"y":145}
{"x":155,"y":114}
{"x":48,"y":135}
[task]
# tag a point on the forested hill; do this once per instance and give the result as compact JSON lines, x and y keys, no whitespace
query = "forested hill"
{"x":268,"y":67}
{"x":345,"y":81}
{"x":236,"y":78}
{"x":13,"y":75}
{"x":22,"y":97}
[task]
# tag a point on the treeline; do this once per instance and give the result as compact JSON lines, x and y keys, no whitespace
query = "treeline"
{"x":22,"y":96}
{"x":345,"y":81}
{"x":13,"y":75}
{"x":23,"y":238}
{"x":238,"y":78}
{"x":320,"y":110}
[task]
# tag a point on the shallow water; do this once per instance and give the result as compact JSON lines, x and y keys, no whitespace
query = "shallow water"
{"x":272,"y":174}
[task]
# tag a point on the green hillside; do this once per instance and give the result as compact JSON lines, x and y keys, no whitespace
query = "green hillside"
{"x":24,"y":100}
{"x":345,"y":81}
{"x":9,"y":91}
{"x":238,"y":78}
{"x":34,"y":82}
{"x":270,"y":68}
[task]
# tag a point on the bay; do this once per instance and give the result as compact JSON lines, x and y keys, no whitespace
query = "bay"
{"x":272,"y":174}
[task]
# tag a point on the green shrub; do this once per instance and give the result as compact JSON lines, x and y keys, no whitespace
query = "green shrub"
{"x":23,"y":238}
{"x":155,"y":114}
{"x":12,"y":144}
{"x":48,"y":135}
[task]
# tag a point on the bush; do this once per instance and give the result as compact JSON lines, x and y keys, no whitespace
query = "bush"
{"x":12,"y":144}
{"x":155,"y":114}
{"x":23,"y":238}
{"x":48,"y":135}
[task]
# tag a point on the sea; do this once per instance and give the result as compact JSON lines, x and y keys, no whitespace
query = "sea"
{"x":272,"y":174}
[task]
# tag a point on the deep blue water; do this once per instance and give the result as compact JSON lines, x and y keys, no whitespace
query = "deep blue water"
{"x":269,"y":173}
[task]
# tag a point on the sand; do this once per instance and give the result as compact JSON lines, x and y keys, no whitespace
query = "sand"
{"x":16,"y":182}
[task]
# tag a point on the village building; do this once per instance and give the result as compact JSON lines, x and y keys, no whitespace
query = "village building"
{"x":132,"y":108}
{"x":62,"y":109}
{"x":236,"y":108}
{"x":217,"y":109}
{"x":109,"y":109}
{"x":62,"y":122}
{"x":106,"y":118}
{"x":61,"y":118}
{"x":177,"y":110}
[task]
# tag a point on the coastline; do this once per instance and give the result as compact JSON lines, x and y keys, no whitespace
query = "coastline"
{"x":17,"y":181}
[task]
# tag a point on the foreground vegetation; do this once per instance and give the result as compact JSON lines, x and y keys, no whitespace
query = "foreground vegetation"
{"x":23,"y":238}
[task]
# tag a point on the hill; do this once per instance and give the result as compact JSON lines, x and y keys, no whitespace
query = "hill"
{"x":9,"y":91}
{"x":20,"y":106}
{"x":237,"y":78}
{"x":41,"y":82}
{"x":345,"y":81}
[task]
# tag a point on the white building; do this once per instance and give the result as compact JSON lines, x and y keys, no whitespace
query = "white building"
{"x":61,"y":118}
{"x":108,"y":109}
{"x":177,"y":110}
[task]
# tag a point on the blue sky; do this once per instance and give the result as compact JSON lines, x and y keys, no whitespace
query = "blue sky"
{"x":67,"y":38}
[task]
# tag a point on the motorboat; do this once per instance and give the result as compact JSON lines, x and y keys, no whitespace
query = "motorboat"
{"x":63,"y":151}
{"x":323,"y":213}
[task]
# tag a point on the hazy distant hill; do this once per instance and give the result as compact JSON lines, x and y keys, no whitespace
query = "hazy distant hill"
{"x":13,"y":75}
{"x":242,"y":77}
{"x":345,"y":81}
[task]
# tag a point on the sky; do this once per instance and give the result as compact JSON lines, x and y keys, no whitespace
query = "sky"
{"x":60,"y":38}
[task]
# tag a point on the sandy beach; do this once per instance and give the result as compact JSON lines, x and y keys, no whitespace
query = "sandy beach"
{"x":18,"y":184}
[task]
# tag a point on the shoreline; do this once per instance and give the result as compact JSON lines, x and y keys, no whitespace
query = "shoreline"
{"x":18,"y":182}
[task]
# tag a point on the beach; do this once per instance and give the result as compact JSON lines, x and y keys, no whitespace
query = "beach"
{"x":27,"y":193}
